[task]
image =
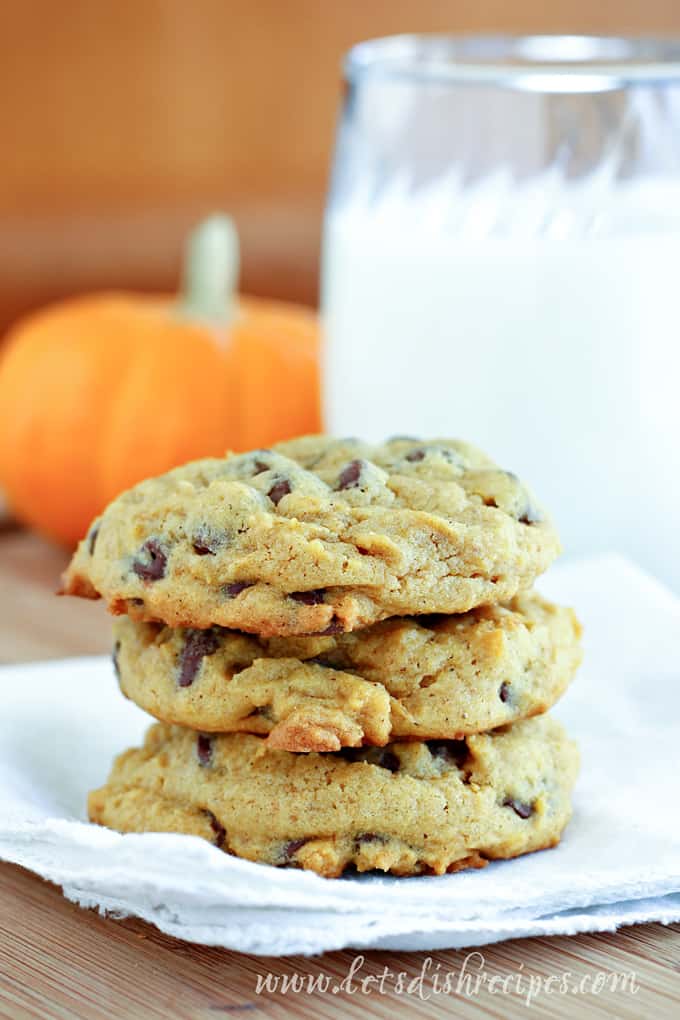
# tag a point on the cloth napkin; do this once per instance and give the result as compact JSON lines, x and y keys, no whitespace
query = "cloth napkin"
{"x":619,"y":862}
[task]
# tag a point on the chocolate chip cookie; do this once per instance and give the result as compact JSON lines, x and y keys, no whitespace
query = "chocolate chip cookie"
{"x":417,"y":678}
{"x":316,"y":536}
{"x":408,"y":808}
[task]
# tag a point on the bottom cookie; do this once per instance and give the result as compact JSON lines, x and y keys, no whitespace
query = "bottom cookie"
{"x":407,"y":808}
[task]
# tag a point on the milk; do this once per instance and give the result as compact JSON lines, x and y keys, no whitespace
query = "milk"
{"x":552,"y":342}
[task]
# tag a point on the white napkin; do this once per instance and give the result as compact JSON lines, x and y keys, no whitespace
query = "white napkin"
{"x":619,"y":862}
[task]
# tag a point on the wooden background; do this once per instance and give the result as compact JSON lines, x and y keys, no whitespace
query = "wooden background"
{"x":124,"y":120}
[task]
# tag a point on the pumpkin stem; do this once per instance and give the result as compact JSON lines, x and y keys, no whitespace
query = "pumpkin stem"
{"x":211,"y":270}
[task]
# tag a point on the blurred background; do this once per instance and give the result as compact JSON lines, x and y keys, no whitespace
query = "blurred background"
{"x":124,"y":121}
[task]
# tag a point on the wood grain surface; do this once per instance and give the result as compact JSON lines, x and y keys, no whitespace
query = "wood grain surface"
{"x":59,"y":962}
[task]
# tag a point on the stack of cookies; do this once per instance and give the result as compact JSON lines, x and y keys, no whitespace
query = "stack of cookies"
{"x":343,"y":649}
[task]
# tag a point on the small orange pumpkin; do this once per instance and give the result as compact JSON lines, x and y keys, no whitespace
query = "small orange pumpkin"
{"x":101,"y":391}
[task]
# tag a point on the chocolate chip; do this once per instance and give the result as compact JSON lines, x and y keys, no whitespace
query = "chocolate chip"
{"x":504,"y":692}
{"x":152,"y":566}
{"x":451,"y":456}
{"x":453,"y":752}
{"x":204,"y":750}
{"x":206,"y":542}
{"x":218,"y":829}
{"x":519,"y":807}
{"x":203,"y":550}
{"x":289,"y":850}
{"x":260,"y":465}
{"x":350,"y":475}
{"x":114,"y":658}
{"x":135,"y":602}
{"x":530,"y":515}
{"x":308,"y":598}
{"x":334,"y":627}
{"x":369,"y":837}
{"x":388,"y":760}
{"x":93,"y":539}
{"x":197,"y":644}
{"x":235,"y":588}
{"x":279,"y":490}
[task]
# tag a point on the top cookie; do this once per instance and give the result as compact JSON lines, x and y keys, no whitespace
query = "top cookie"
{"x":316,"y":536}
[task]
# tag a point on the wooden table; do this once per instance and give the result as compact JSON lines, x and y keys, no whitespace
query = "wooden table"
{"x":59,"y":961}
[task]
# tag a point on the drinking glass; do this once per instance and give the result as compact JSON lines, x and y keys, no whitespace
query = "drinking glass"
{"x":502,"y":263}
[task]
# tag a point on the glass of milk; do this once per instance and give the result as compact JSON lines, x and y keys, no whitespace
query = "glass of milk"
{"x":502,"y":264}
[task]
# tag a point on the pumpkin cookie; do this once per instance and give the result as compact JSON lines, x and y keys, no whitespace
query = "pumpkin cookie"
{"x":442,"y":677}
{"x":316,"y":536}
{"x":408,"y":808}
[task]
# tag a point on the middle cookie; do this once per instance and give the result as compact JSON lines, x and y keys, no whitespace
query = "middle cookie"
{"x":424,"y":678}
